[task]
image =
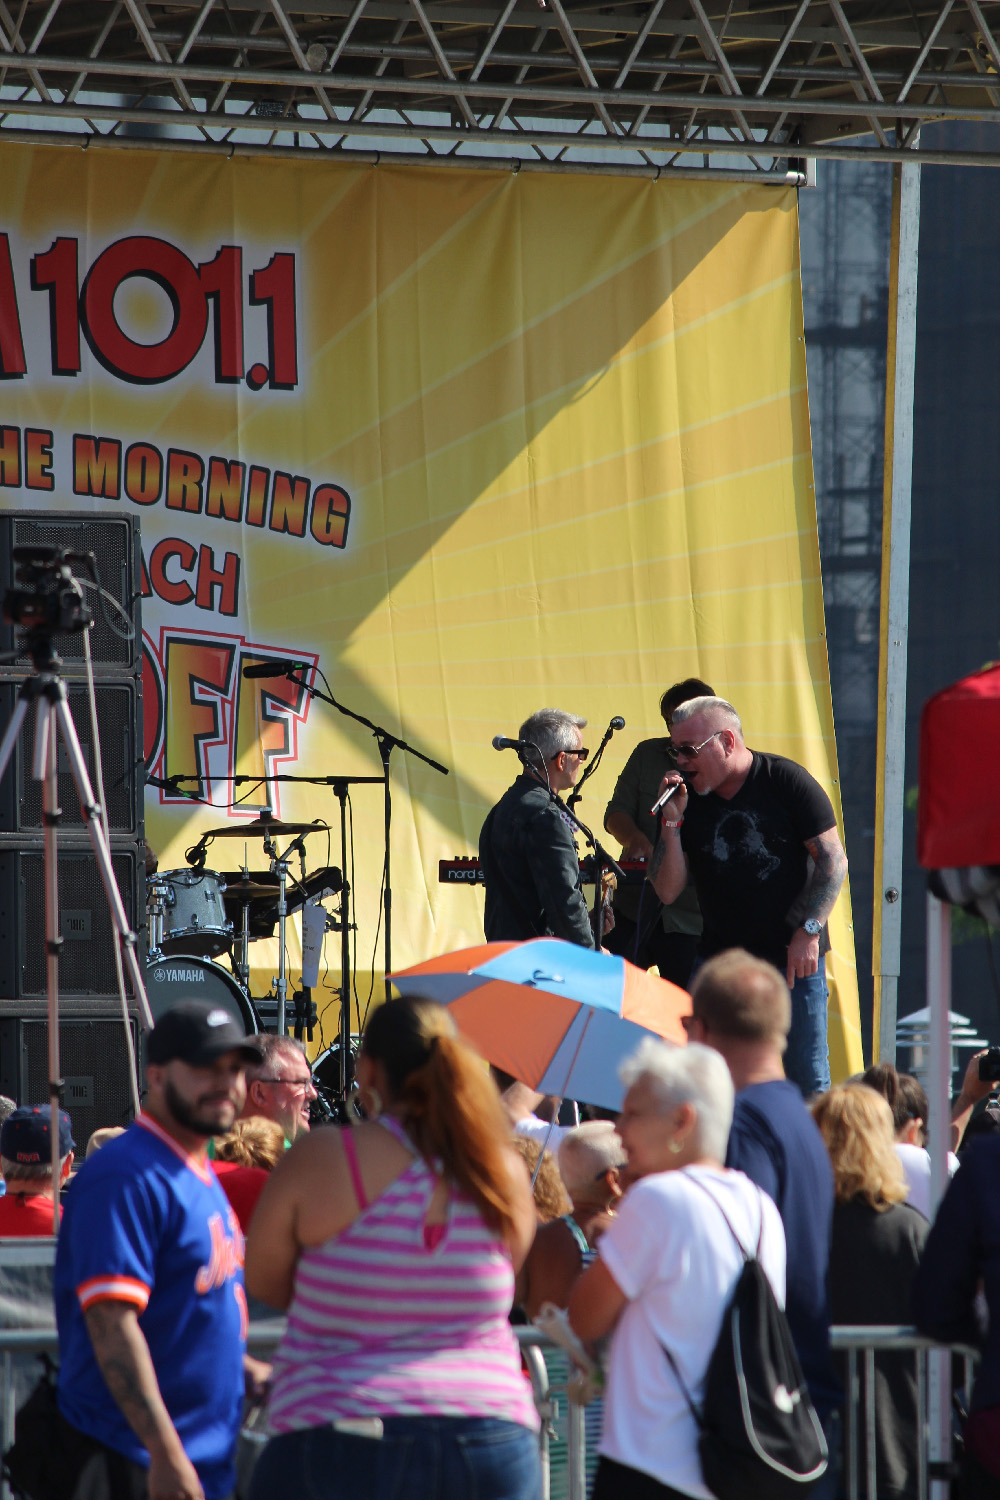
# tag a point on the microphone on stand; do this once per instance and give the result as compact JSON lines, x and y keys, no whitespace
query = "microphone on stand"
{"x":196,"y":855}
{"x":276,"y":668}
{"x":166,"y":784}
{"x":617,"y":722}
{"x":501,"y":742}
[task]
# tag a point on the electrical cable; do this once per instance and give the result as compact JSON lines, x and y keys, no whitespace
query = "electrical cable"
{"x":133,"y":1071}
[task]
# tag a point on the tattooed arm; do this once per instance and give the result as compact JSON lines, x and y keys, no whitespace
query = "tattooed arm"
{"x":668,"y":866}
{"x":816,"y":899}
{"x":123,"y":1355}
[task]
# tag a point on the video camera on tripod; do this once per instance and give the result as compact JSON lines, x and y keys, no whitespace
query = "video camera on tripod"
{"x":48,"y":600}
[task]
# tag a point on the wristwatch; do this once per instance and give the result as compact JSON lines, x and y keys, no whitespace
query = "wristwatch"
{"x":813,"y":927}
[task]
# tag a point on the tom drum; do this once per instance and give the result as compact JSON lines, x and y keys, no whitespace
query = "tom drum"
{"x":188,"y":913}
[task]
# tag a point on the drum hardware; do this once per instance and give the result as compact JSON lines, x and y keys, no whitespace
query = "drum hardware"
{"x":279,"y":867}
{"x":331,"y":1106}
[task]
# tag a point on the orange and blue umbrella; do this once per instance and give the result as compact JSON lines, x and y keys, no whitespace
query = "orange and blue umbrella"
{"x":556,"y":1016}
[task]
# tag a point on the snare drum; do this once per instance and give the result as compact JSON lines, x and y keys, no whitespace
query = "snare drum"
{"x":187,"y":913}
{"x":180,"y":977}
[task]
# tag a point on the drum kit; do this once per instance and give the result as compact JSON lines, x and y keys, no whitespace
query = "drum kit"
{"x":196,"y":916}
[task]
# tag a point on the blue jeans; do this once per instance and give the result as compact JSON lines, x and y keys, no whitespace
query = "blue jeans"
{"x":807,"y":1056}
{"x":419,"y":1458}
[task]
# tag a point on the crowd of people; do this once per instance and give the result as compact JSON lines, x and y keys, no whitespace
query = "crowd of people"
{"x":401,"y":1247}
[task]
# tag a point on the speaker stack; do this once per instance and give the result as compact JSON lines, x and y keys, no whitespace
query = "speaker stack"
{"x":93,"y":1051}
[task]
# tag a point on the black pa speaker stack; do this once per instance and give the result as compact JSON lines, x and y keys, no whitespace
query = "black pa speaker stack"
{"x":94,"y":1056}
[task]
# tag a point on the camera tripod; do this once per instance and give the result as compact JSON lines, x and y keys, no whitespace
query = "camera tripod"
{"x":46,"y":690}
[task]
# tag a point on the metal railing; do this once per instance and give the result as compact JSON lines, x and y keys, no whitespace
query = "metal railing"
{"x":935,"y":1378}
{"x":859,"y":1344}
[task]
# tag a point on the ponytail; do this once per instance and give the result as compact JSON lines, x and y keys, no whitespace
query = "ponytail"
{"x":449,"y":1103}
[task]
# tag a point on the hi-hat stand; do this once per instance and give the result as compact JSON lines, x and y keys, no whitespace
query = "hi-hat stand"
{"x":46,"y":691}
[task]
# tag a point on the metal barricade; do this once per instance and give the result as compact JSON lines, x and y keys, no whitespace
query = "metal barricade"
{"x":859,"y":1344}
{"x":933,"y":1364}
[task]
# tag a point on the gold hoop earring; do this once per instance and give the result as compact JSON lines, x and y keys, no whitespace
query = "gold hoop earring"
{"x":675,"y":1147}
{"x":371,"y":1101}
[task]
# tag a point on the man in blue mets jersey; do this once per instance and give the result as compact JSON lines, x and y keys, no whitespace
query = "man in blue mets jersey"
{"x":149,"y":1281}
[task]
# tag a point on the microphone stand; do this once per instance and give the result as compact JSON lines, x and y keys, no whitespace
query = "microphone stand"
{"x":576,"y":795}
{"x":386,"y":742}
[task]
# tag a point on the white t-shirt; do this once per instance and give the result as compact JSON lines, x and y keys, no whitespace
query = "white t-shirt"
{"x":671,"y":1253}
{"x":541,"y":1132}
{"x":917,"y":1166}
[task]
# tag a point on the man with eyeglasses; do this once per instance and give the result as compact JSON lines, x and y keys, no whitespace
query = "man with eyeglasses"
{"x":526,"y":846}
{"x":759,"y":839}
{"x":280,"y":1085}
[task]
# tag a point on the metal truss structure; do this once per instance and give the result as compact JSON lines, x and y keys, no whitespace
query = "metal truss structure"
{"x":755,"y":87}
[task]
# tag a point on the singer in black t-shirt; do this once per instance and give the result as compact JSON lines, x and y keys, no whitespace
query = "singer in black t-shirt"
{"x":758,"y":837}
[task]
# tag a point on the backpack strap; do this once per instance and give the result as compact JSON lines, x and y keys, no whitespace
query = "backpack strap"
{"x":740,"y":1245}
{"x":699,"y":1419}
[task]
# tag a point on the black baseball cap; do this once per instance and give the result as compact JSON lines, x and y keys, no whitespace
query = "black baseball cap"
{"x":197,"y":1032}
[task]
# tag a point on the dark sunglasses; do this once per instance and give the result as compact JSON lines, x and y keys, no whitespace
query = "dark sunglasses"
{"x":580,"y":754}
{"x":691,"y":752}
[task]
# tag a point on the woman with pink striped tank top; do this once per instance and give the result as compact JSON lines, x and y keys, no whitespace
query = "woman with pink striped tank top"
{"x":393,"y":1245}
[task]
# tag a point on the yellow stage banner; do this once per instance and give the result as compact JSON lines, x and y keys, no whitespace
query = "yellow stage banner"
{"x":470,"y":443}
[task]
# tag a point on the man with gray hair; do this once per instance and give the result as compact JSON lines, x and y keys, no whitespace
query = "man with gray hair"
{"x":280,"y":1086}
{"x":759,"y":839}
{"x":526,"y":847}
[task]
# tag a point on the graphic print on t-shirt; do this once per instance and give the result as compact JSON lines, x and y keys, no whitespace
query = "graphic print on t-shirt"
{"x":739,"y":834}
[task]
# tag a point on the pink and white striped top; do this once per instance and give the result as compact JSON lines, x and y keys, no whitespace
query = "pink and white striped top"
{"x":381,"y":1324}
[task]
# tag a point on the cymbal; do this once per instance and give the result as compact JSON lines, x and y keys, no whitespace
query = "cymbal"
{"x":247,"y":890}
{"x":265,"y":825}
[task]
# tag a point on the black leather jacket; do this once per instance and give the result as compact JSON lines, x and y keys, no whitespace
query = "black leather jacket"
{"x":532,"y":869}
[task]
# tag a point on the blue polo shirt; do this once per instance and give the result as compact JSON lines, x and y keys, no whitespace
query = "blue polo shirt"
{"x":776,"y":1142}
{"x":149,"y":1225}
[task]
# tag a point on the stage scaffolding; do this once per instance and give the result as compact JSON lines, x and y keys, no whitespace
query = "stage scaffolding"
{"x":664,"y":87}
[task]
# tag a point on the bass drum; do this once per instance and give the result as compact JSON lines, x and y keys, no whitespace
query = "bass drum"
{"x":180,"y":977}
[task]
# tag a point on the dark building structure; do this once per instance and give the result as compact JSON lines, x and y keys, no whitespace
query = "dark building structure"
{"x":954,"y":622}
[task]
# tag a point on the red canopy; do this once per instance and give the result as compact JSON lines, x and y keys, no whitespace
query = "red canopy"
{"x":958,"y":821}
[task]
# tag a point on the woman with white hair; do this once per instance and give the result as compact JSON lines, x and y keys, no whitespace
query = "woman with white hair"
{"x":667,"y":1266}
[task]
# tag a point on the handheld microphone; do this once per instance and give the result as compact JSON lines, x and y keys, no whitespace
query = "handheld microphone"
{"x":617,"y":722}
{"x":662,"y":801}
{"x":501,"y":742}
{"x":276,"y":668}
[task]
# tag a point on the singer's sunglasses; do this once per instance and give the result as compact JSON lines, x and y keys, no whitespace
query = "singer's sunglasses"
{"x":580,"y":754}
{"x":691,"y":752}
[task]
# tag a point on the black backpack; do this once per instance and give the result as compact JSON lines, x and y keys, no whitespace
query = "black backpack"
{"x":759,"y":1432}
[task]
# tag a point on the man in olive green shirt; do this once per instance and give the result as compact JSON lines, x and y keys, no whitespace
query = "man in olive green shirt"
{"x":646,"y":932}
